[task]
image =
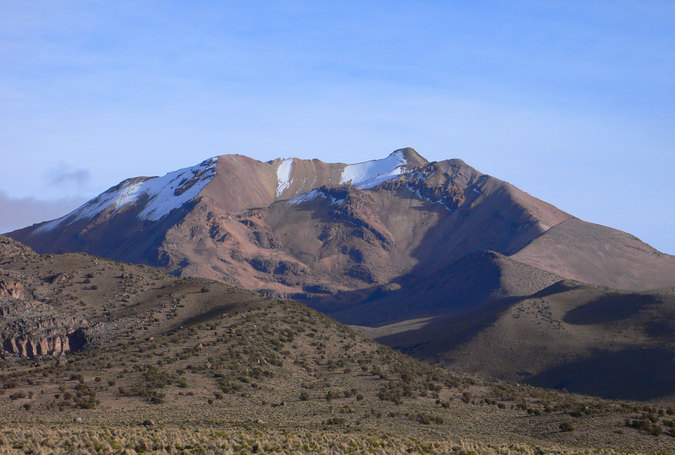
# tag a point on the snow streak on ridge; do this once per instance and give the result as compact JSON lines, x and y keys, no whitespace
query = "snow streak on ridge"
{"x":315,"y":193}
{"x":284,"y":176}
{"x":305,"y":197}
{"x":164,"y":194}
{"x":372,"y":173}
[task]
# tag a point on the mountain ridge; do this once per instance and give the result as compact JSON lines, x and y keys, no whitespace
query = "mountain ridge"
{"x":290,"y":226}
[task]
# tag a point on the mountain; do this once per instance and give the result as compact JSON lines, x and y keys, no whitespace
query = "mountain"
{"x":307,"y":229}
{"x":149,"y":362}
{"x":381,"y":243}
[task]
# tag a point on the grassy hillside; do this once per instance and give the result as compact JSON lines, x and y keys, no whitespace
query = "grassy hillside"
{"x":172,"y":364}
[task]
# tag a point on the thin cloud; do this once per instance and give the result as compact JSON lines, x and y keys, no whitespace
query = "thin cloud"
{"x":65,"y":175}
{"x":16,"y":213}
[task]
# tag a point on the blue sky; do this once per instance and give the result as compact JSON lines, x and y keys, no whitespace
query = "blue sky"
{"x":574,"y":102}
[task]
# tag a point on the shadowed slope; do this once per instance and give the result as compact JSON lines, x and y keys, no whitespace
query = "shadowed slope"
{"x":583,"y":338}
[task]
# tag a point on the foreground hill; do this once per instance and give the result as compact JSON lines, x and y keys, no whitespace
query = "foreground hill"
{"x":159,"y":363}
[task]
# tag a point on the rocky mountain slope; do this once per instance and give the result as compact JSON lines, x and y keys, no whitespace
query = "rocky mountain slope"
{"x":168,"y":364}
{"x":307,"y":229}
{"x":379,"y":243}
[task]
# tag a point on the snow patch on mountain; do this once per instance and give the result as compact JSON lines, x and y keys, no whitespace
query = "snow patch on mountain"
{"x":372,"y":173}
{"x":163,"y":194}
{"x":305,"y":197}
{"x":315,"y":193}
{"x":284,"y":176}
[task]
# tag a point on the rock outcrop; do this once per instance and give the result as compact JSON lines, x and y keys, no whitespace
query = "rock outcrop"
{"x":31,"y":329}
{"x":32,"y":347}
{"x":13,"y":289}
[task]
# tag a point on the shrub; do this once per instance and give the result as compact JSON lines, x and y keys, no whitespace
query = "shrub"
{"x":335,"y":421}
{"x":332,"y":395}
{"x":566,"y":426}
{"x":646,"y":425}
{"x":17,"y":395}
{"x":391,"y":393}
{"x":426,"y":419}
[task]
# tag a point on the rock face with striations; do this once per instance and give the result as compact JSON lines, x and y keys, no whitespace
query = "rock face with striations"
{"x":30,"y":329}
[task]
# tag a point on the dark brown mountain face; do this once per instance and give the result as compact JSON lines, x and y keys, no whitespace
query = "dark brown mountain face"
{"x":383,"y":242}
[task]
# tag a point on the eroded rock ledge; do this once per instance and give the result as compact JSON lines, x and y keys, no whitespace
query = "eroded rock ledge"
{"x":31,"y":329}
